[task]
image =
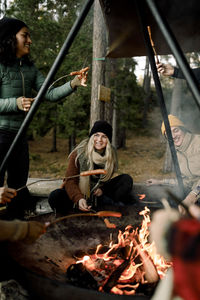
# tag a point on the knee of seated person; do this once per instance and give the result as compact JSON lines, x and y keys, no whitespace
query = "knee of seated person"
{"x":53,"y":198}
{"x":128,"y":180}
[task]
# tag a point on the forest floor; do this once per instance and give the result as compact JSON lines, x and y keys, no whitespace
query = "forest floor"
{"x":143,"y":157}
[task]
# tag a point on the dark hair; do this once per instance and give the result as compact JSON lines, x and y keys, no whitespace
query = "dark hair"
{"x":8,"y":48}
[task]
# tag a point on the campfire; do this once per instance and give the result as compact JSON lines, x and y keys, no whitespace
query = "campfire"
{"x":87,"y":259}
{"x":123,"y":267}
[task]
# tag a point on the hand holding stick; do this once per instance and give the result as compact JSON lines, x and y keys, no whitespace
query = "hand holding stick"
{"x":152,"y":44}
{"x":80,"y":72}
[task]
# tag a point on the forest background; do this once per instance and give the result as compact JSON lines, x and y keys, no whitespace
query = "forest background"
{"x":58,"y":127}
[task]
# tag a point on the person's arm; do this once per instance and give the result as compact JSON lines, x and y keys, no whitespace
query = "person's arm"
{"x":169,"y":70}
{"x":72,"y":184}
{"x":13,"y":104}
{"x":179,"y":74}
{"x":57,"y":93}
{"x":8,"y":105}
{"x":161,"y":224}
{"x":21,"y":231}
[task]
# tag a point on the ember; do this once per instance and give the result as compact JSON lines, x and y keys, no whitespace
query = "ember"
{"x":122,"y":267}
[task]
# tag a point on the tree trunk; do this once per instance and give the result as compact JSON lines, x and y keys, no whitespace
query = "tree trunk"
{"x":54,"y":140}
{"x":72,"y":142}
{"x":114,"y":126}
{"x":98,"y":66}
{"x":121,"y":138}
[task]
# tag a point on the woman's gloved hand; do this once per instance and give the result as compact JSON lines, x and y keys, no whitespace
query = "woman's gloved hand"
{"x":80,"y":79}
{"x":24,"y":103}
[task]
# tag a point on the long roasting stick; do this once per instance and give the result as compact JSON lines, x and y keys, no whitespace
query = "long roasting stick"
{"x":71,"y":74}
{"x":84,"y":173}
{"x":98,"y":214}
{"x":152,"y":44}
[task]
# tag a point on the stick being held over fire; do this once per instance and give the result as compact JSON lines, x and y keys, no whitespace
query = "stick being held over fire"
{"x":100,"y":214}
{"x":85,"y":173}
{"x":152,"y":44}
{"x":82,"y":76}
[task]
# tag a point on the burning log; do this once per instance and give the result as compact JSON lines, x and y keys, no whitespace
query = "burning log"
{"x":80,"y":276}
{"x":112,"y":280}
{"x":124,"y":267}
{"x":151,"y":274}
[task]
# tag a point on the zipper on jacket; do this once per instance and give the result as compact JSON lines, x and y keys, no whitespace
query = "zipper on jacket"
{"x":22,"y":75}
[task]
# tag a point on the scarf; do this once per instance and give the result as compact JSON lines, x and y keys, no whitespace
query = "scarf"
{"x":100,"y":161}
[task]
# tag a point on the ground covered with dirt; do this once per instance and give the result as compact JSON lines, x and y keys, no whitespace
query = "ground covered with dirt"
{"x":142,"y":159}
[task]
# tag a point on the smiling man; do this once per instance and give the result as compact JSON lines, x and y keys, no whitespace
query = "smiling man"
{"x":187,"y":146}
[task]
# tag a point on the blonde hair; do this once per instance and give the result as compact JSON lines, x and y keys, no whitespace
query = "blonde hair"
{"x":87,"y":147}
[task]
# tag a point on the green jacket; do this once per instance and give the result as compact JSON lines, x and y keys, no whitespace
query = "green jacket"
{"x":19,"y":80}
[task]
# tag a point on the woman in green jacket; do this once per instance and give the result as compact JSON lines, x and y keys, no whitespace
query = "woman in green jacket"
{"x":18,"y":77}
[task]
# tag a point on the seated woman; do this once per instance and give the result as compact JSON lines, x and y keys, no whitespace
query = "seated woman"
{"x":84,"y":192}
{"x":188,"y":153}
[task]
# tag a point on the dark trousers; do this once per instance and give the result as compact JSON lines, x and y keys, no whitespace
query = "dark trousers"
{"x":115,"y":191}
{"x":17,"y":169}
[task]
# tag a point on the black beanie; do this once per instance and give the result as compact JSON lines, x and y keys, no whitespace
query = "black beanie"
{"x":10,"y":26}
{"x":102,"y":126}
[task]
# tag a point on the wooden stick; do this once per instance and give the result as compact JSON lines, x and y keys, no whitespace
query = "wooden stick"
{"x":152,"y":44}
{"x":39,"y":180}
{"x":98,"y":214}
{"x":85,"y":173}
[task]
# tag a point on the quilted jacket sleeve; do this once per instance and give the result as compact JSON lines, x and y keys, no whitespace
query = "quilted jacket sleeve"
{"x":53,"y":94}
{"x":7,"y":104}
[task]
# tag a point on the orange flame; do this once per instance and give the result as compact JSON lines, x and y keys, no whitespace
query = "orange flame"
{"x":146,"y":265}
